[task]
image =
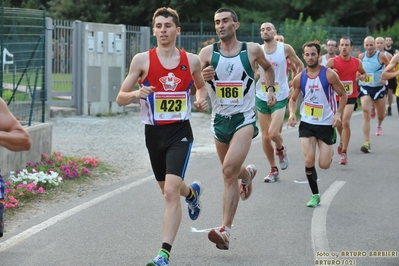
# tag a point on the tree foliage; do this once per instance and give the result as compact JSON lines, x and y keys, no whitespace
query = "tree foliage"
{"x":375,"y":14}
{"x":299,"y":31}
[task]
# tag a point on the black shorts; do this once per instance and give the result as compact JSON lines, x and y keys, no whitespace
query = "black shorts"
{"x":169,"y":147}
{"x":392,"y":84}
{"x":327,"y":134}
{"x":349,"y":101}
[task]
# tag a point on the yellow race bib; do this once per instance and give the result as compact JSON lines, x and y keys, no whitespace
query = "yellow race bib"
{"x":170,"y":105}
{"x":348,"y":86}
{"x":369,"y":79}
{"x":314,"y":110}
{"x":229,"y":92}
{"x":264,"y":87}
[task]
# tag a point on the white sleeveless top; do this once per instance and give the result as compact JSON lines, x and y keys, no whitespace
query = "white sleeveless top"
{"x":319,"y":104}
{"x":279,"y":63}
{"x":323,"y":60}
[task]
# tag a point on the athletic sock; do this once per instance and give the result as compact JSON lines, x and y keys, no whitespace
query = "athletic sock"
{"x":165,"y":250}
{"x":227,"y":230}
{"x":312,"y":179}
{"x":191,"y":195}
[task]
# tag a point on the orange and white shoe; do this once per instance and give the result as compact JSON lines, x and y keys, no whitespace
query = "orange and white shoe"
{"x":220,"y":237}
{"x":246,"y":187}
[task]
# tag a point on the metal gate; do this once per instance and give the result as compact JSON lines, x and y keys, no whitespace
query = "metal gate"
{"x":60,"y":52}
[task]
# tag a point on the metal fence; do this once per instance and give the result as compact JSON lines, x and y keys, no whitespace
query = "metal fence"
{"x":195,"y":36}
{"x":22,"y":62}
{"x":22,"y":41}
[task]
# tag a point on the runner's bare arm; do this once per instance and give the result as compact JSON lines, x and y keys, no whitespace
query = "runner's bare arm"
{"x":201,"y":91}
{"x":296,"y":63}
{"x":389,"y":72}
{"x":137,"y":70}
{"x":12,"y":135}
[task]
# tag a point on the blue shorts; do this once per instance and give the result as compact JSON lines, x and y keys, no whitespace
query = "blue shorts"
{"x":374,"y":92}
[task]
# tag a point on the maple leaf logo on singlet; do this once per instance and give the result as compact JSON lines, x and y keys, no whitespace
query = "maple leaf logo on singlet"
{"x":170,"y":82}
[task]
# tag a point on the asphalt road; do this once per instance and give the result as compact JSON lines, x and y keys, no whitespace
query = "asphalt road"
{"x":122,"y":225}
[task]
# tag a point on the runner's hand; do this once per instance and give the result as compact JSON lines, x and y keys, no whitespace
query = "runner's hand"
{"x":201,"y":105}
{"x":208,"y":73}
{"x":291,"y":121}
{"x":337,"y":120}
{"x":144,"y":91}
{"x":272,"y":100}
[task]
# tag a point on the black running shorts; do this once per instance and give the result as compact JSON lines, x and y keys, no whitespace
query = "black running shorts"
{"x":169,"y":147}
{"x":323,"y":132}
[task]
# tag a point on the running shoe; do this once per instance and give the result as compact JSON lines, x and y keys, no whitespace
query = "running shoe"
{"x":194,"y":206}
{"x":379,"y":131}
{"x":366,"y":148}
{"x":158,"y":261}
{"x":314,"y":201}
{"x":246,"y":187}
{"x":372,"y":113}
{"x":389,"y":111}
{"x":219,"y":237}
{"x":283,"y":158}
{"x":272,"y":176}
{"x":343,"y":159}
{"x":340,"y":147}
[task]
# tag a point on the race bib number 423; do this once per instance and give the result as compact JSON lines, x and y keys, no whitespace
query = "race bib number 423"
{"x":170,"y":105}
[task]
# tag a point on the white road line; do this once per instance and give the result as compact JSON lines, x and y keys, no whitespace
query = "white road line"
{"x":195,"y":230}
{"x":37,"y":228}
{"x":304,"y":182}
{"x":319,"y":219}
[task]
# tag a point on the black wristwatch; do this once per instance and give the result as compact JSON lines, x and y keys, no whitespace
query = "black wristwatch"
{"x":270,"y":86}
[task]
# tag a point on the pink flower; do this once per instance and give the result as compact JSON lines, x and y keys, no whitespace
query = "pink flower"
{"x":85,"y":171}
{"x":30,"y":187}
{"x":40,"y":190}
{"x":21,"y":186}
{"x":12,"y":199}
{"x":10,"y":205}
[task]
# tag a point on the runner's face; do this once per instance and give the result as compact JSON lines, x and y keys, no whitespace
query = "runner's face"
{"x":369,"y":46}
{"x":165,"y":30}
{"x":225,"y":26}
{"x":388,"y":42}
{"x":345,"y":47}
{"x":331,"y":47}
{"x":311,"y":57}
{"x":379,"y":44}
{"x":279,"y":38}
{"x":267,"y":32}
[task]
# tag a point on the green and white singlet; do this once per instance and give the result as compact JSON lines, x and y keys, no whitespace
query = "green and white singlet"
{"x":232,"y":90}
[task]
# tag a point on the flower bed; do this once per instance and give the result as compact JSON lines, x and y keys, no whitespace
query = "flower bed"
{"x":36,"y":178}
